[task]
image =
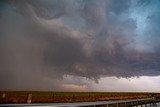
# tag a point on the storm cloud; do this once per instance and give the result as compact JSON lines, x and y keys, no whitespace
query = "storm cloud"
{"x":42,"y":41}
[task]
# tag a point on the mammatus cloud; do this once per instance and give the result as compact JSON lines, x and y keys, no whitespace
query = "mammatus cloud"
{"x":42,"y":41}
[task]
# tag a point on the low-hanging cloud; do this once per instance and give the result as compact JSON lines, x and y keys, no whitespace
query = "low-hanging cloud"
{"x":42,"y":40}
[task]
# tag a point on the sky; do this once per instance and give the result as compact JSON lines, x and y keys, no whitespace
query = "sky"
{"x":80,"y":45}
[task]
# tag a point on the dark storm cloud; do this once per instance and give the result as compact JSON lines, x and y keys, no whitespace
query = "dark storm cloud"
{"x":143,"y":2}
{"x":119,"y":6}
{"x":48,"y":9}
{"x":47,"y":39}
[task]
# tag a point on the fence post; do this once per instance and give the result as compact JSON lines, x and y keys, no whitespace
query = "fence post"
{"x":137,"y":103}
{"x":3,"y":95}
{"x":29,"y":100}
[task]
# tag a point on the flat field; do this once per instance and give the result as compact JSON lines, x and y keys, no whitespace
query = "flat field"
{"x":52,"y":97}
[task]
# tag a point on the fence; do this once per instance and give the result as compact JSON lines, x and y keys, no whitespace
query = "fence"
{"x":131,"y":102}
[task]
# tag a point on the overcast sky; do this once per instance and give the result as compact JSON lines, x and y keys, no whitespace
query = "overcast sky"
{"x":80,"y":45}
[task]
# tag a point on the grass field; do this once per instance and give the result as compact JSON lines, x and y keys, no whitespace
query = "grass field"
{"x":49,"y":97}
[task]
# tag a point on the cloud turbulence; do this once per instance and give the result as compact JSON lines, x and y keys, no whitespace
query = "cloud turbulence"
{"x":41,"y":41}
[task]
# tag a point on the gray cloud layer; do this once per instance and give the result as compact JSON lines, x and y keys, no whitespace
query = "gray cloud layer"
{"x":47,"y":39}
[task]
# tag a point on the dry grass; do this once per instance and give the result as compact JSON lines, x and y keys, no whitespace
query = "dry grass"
{"x":51,"y":97}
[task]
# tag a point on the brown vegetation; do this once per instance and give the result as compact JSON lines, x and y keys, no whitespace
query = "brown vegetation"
{"x":51,"y":97}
